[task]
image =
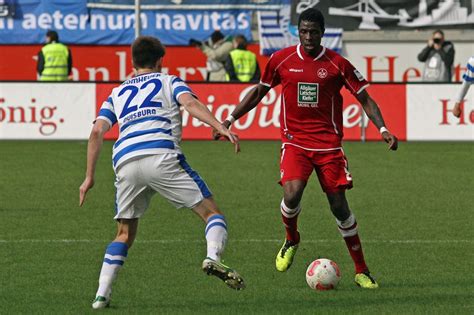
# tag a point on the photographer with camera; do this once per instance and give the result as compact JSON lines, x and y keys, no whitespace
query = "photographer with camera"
{"x":438,"y":57}
{"x":217,"y":50}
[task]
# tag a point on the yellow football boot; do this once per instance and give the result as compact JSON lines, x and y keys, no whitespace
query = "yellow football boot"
{"x":365,"y":280}
{"x":285,"y":256}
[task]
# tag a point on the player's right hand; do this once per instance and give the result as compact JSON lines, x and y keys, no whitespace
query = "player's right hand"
{"x":87,"y":184}
{"x":457,"y":110}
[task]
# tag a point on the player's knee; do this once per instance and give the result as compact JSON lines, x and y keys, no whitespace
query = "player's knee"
{"x":292,"y":200}
{"x":206,"y":209}
{"x":292,"y":193}
{"x":339,"y":208}
{"x":336,"y":205}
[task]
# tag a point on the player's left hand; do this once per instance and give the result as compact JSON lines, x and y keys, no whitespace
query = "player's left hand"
{"x":84,"y":188}
{"x":232,"y":137}
{"x":216,"y":135}
{"x":391,"y":140}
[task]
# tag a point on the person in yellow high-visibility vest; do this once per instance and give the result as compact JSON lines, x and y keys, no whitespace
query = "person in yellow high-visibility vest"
{"x":242,"y":65}
{"x":54,"y":59}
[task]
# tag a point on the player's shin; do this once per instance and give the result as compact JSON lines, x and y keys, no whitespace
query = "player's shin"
{"x":349,"y":232}
{"x":114,"y":258}
{"x":290,"y":220}
{"x":216,"y":236}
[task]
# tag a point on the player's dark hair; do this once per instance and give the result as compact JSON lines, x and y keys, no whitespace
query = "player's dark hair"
{"x":439,"y":31}
{"x":241,"y":41}
{"x":53,"y":35}
{"x":146,"y":50}
{"x":312,"y":15}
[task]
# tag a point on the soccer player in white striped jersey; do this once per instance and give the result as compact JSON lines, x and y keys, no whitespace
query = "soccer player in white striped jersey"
{"x":468,"y":80}
{"x":147,"y":159}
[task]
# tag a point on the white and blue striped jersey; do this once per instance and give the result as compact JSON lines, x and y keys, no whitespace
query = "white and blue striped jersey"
{"x":468,"y":76}
{"x":147,"y":111}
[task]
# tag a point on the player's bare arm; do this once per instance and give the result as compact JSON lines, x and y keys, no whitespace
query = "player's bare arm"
{"x":94,"y":147}
{"x":250,"y":101}
{"x":374,"y":114}
{"x":200,"y":111}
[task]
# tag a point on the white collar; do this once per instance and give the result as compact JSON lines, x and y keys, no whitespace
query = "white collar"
{"x":298,"y":50}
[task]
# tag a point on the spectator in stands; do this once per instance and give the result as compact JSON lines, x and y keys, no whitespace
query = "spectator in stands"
{"x":438,"y":57}
{"x":54,"y":59}
{"x":217,"y":49}
{"x":242,"y":65}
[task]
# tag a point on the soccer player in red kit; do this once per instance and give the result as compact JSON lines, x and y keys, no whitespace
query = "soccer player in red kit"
{"x":311,"y":131}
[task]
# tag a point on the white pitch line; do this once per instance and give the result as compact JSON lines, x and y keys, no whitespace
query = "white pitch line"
{"x":415,"y":241}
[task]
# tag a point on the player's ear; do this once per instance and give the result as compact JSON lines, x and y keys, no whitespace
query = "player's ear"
{"x":159,"y":63}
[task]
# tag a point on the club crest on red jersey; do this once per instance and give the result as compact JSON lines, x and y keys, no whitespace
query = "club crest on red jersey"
{"x":322,"y":73}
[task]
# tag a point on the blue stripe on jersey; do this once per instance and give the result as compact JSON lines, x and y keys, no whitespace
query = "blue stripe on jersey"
{"x":109,"y":100}
{"x":215,"y":224}
{"x":117,"y":249}
{"x":140,"y":133}
{"x":178,"y":90}
{"x":109,"y":114}
{"x":176,"y":80}
{"x":470,"y":67}
{"x":113,"y":262}
{"x":155,"y":144}
{"x":195,"y":176}
{"x":137,"y":121}
{"x":467,"y":78}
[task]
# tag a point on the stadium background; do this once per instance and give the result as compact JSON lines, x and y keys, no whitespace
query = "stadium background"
{"x":414,"y":206}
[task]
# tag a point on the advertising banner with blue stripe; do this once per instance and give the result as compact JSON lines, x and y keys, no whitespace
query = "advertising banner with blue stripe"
{"x":189,"y":4}
{"x":76,"y":24}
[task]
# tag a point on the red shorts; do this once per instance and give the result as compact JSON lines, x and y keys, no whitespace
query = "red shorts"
{"x":330,"y":166}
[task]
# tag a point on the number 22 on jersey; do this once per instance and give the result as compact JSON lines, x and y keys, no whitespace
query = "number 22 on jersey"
{"x":148,"y":102}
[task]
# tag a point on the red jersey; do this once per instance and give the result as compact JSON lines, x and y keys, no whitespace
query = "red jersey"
{"x":311,"y":107}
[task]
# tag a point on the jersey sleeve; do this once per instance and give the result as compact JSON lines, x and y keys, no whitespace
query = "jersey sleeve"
{"x":179,"y":87}
{"x":107,"y":112}
{"x":468,"y":76}
{"x":354,"y":81}
{"x":270,"y":75}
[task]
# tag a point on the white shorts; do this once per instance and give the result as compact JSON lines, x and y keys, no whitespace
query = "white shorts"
{"x":168,"y":174}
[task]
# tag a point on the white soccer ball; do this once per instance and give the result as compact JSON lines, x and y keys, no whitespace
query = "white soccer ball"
{"x":323,"y":274}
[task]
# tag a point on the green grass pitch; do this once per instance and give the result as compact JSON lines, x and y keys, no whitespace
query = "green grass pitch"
{"x":414,"y":208}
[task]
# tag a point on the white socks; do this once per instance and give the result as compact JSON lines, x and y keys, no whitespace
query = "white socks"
{"x":347,"y":227}
{"x":115,"y":255}
{"x":216,"y":236}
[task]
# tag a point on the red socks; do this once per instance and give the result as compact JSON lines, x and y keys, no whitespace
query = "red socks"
{"x":348,"y":229}
{"x":290,"y":220}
